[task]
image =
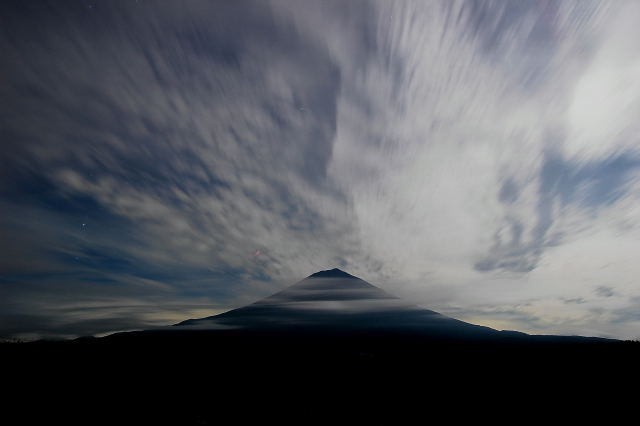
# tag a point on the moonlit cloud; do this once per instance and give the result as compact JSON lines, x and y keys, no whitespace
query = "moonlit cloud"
{"x":161,"y":159}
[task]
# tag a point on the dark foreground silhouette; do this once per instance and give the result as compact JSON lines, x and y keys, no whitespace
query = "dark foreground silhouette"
{"x":328,"y":350}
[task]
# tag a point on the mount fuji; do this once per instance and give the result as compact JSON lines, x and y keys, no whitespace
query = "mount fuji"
{"x":335,"y":302}
{"x":330,"y":337}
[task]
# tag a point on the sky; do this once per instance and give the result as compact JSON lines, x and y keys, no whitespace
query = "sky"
{"x":161,"y":160}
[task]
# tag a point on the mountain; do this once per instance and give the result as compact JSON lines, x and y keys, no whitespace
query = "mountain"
{"x":336,"y":302}
{"x":328,"y":345}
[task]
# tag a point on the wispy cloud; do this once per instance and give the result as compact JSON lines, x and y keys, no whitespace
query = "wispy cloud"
{"x":461,"y":154}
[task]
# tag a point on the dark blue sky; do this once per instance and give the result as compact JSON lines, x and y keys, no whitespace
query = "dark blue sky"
{"x":167,"y":160}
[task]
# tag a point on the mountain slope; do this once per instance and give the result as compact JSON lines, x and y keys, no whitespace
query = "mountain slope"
{"x":337,"y":302}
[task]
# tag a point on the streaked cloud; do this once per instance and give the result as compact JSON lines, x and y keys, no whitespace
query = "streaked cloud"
{"x":478,"y":158}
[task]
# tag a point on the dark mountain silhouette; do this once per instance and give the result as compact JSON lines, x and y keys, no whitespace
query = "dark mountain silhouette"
{"x":330,"y":349}
{"x":334,"y":301}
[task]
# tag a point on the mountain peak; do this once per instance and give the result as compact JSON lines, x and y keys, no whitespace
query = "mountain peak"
{"x":332,"y":273}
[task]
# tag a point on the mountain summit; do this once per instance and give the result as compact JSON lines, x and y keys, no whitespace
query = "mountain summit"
{"x":332,"y":273}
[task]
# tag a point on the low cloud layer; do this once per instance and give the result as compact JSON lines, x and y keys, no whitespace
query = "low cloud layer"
{"x":164,"y":159}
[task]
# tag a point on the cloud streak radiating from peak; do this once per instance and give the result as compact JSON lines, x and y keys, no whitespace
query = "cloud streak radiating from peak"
{"x":478,"y":158}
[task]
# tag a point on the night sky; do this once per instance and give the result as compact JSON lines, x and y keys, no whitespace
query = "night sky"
{"x":165,"y":160}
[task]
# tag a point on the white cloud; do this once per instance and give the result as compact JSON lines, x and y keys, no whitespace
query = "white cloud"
{"x":376,"y":136}
{"x":605,"y":101}
{"x":445,"y":125}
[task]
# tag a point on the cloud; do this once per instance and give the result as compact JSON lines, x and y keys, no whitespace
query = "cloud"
{"x":604,"y":291}
{"x":470,"y":156}
{"x":591,"y":185}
